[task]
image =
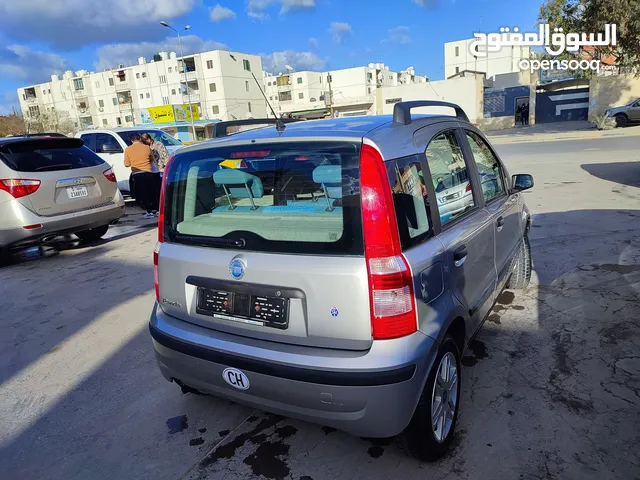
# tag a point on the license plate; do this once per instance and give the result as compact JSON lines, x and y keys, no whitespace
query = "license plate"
{"x":452,"y":196}
{"x":244,"y":308}
{"x":77,"y":191}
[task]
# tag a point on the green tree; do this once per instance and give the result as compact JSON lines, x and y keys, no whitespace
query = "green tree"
{"x":590,"y":16}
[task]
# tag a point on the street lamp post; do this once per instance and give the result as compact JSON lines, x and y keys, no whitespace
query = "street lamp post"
{"x":184,"y":69}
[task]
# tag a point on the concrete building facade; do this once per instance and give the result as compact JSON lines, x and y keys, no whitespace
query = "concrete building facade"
{"x":349,"y":91}
{"x":218,"y":83}
{"x":458,"y":57}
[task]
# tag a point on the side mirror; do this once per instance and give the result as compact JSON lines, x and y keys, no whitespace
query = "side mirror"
{"x":521,"y":181}
{"x":111,"y":148}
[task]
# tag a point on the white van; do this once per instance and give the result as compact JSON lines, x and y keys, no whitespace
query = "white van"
{"x":109,"y":144}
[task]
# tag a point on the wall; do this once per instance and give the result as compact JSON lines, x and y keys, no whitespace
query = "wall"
{"x":614,"y":91}
{"x":464,"y":91}
{"x":495,"y":63}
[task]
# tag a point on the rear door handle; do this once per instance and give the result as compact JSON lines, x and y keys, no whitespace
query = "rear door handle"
{"x":500,"y":223}
{"x":459,"y":255}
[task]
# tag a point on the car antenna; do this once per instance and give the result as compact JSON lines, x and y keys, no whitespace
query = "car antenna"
{"x":280,"y":126}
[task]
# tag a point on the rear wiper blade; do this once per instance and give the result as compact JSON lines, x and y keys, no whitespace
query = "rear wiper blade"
{"x":55,"y":167}
{"x":213,"y":241}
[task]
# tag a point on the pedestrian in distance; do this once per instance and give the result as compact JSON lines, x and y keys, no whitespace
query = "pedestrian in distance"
{"x":525,"y":114}
{"x":161,"y":157}
{"x":144,"y":171}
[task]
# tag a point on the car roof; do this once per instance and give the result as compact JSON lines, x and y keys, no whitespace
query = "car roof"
{"x":375,"y":127}
{"x":119,"y":129}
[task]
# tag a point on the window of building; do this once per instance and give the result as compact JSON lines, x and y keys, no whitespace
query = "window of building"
{"x":457,"y":51}
{"x":284,"y":96}
{"x":491,"y":177}
{"x":170,"y":69}
{"x":215,"y":109}
{"x":249,"y":106}
{"x":118,"y":121}
{"x":101,"y":103}
{"x":370,"y":76}
{"x":457,"y":69}
{"x":115,"y":101}
{"x":34,"y":111}
{"x":49,"y":91}
{"x":329,"y":78}
{"x":104,"y":122}
{"x":138,"y":75}
{"x":165,"y":100}
{"x":368,"y":89}
{"x":163,"y":79}
{"x":64,"y":95}
{"x":246,"y":85}
{"x":144,"y":74}
{"x":97,"y":84}
{"x":209,"y":64}
{"x":128,"y":118}
{"x":78,"y":84}
{"x":246,"y":65}
{"x":449,"y":171}
{"x":141,"y":96}
{"x":148,"y":95}
{"x":299,"y":80}
{"x":111,"y":82}
{"x":301,"y":96}
{"x":269,"y":84}
{"x":173,"y":91}
{"x":212,"y":87}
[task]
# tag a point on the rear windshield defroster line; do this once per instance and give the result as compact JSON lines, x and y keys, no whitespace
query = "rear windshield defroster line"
{"x":288,"y":197}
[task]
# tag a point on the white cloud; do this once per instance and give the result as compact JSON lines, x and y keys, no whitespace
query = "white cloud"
{"x":340,"y":31}
{"x":30,"y":66}
{"x":256,"y":8}
{"x":313,"y":42}
{"x":399,"y":35}
{"x":112,"y":55}
{"x":219,"y":13}
{"x":73,"y":23}
{"x":427,"y":3}
{"x":276,"y":61}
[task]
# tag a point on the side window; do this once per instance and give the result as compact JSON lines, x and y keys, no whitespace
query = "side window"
{"x":89,"y":141}
{"x":106,"y":143}
{"x":450,"y":176}
{"x":491,"y":177}
{"x":406,"y":180}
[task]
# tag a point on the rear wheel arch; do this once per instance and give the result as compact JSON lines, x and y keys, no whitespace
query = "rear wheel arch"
{"x":457,"y":331}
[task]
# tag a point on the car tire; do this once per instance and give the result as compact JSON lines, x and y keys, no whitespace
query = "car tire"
{"x":621,"y":120}
{"x":521,"y":274}
{"x":420,"y":439}
{"x":92,"y":234}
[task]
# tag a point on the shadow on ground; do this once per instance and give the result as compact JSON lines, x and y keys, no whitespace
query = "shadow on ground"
{"x":551,"y":389}
{"x":625,"y":173}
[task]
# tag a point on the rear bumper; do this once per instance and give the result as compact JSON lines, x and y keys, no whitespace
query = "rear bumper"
{"x":13,"y":233}
{"x":372,"y":393}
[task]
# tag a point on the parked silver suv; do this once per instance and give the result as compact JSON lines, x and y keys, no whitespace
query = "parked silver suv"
{"x":345,"y":293}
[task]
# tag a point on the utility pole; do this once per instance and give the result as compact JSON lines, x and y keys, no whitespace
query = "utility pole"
{"x":330,"y":102}
{"x":184,"y":69}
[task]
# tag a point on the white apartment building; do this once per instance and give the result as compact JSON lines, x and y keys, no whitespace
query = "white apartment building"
{"x":218,"y":83}
{"x":349,"y":91}
{"x":458,"y":57}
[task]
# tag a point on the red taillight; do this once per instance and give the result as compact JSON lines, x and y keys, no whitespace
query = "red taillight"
{"x":242,"y":164}
{"x":156,"y":251}
{"x":468,"y":189}
{"x":108,"y":173}
{"x":19,"y":188}
{"x":393,"y":312}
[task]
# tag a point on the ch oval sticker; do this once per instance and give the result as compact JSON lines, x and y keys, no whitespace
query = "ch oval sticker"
{"x":235,"y":378}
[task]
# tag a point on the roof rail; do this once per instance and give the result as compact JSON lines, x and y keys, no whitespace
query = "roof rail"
{"x":402,"y":110}
{"x":220,"y":128}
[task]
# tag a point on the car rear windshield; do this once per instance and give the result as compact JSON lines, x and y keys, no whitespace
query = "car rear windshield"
{"x":48,"y":155}
{"x":296,"y":197}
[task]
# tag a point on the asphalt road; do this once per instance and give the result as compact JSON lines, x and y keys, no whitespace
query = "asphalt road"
{"x":551,"y":386}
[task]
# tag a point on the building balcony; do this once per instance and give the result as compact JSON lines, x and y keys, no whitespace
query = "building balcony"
{"x":124,"y":85}
{"x":193,"y":97}
{"x":31,"y":100}
{"x":189,"y":76}
{"x":125,"y":107}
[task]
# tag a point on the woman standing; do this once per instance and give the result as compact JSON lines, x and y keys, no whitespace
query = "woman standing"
{"x":139,"y":157}
{"x":161,"y":157}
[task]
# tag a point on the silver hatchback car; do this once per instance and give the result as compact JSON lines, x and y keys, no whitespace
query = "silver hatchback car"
{"x":341,"y":295}
{"x":51,"y":186}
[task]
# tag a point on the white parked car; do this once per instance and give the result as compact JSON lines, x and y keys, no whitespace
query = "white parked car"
{"x":109,"y":144}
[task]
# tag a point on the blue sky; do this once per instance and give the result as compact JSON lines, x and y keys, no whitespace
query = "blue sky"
{"x":40,"y":37}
